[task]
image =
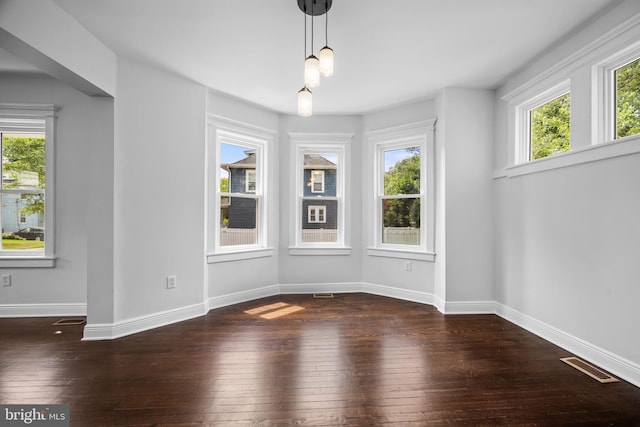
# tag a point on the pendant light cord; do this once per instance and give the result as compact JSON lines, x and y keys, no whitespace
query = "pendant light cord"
{"x":312,"y":2}
{"x":326,"y":24}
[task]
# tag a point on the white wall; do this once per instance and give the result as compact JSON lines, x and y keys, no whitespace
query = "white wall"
{"x":66,"y":283}
{"x":225,"y":278}
{"x":567,"y":239}
{"x":158,"y":190}
{"x":381,"y":270}
{"x":304,"y":269}
{"x":465,"y":211}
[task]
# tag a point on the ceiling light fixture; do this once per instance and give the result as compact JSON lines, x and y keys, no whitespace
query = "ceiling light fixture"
{"x":314,"y":67}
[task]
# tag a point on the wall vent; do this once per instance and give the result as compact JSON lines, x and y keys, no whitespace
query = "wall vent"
{"x":589,"y":369}
{"x":323,"y":295}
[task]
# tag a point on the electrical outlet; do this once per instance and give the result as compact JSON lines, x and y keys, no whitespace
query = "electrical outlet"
{"x":407,"y":266}
{"x":6,"y":280}
{"x":171,"y":282}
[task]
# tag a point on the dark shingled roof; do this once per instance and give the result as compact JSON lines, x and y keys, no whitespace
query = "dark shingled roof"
{"x":310,"y":161}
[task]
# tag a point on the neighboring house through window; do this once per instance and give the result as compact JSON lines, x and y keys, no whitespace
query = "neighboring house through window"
{"x":321,"y":202}
{"x":238,"y":225}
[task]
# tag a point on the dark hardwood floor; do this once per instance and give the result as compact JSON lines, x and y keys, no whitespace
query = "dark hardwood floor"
{"x":356,"y":360}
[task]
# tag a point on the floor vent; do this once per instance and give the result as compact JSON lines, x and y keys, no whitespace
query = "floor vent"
{"x":589,"y":369}
{"x":69,"y":322}
{"x":323,"y":295}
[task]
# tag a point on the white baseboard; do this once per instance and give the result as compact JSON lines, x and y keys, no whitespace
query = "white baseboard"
{"x":244,"y":296}
{"x":403,"y":294}
{"x":614,"y":364}
{"x":320,"y":288}
{"x":108,"y":331}
{"x":43,"y":310}
{"x":469,"y":307}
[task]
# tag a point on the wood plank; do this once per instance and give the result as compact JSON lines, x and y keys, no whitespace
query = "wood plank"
{"x":356,"y":359}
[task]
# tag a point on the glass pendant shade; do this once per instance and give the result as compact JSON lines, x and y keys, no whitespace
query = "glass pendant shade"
{"x":312,"y":71}
{"x":304,"y":102}
{"x":326,"y":61}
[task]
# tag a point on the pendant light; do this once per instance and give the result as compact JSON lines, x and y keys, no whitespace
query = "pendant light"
{"x":314,"y":66}
{"x":326,"y":53}
{"x":305,"y":104}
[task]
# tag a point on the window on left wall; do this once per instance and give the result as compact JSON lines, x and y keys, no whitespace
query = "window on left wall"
{"x":26,"y":188}
{"x":238,"y":206}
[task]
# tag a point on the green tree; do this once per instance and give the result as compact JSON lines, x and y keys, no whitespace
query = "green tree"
{"x":551,"y":128}
{"x":628,"y":99}
{"x":403,"y":178}
{"x":224,"y":185}
{"x":21,"y":156}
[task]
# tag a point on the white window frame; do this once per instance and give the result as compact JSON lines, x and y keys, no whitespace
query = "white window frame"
{"x":314,"y":212}
{"x":16,"y":118}
{"x":250,"y":177}
{"x":605,"y":108}
{"x":523,"y":120}
{"x":313,"y":181}
{"x":420,"y":134}
{"x":222,"y":130}
{"x":320,"y":143}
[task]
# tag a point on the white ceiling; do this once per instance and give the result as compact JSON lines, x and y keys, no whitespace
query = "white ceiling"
{"x":387,"y":52}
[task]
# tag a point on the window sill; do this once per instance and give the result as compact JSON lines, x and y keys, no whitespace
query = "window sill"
{"x":27,"y":262}
{"x":623,"y":147}
{"x":239,"y":255}
{"x":320,"y":251}
{"x":402,"y":253}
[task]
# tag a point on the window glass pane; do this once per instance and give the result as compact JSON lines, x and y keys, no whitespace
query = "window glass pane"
{"x":319,"y":220}
{"x":18,"y":234}
{"x":551,"y":128}
{"x":401,"y":221}
{"x":237,"y":163}
{"x":23,"y":168}
{"x":627,"y":99}
{"x":320,"y":174}
{"x":23,"y":161}
{"x":402,"y":171}
{"x":238,"y":217}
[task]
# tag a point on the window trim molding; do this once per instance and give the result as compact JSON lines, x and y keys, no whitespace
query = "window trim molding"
{"x":340,"y":144}
{"x":48,"y":114}
{"x":257,"y":137}
{"x":418,"y":133}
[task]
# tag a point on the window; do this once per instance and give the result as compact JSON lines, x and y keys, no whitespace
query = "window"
{"x":403,"y":192}
{"x":401,"y":195}
{"x":320,"y":203}
{"x":627,"y":101}
{"x":250,"y":177}
{"x":26,"y":142}
{"x":550,"y":128}
{"x":317,"y":181}
{"x":317,"y":214}
{"x":238,"y":226}
{"x":543,"y":124}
